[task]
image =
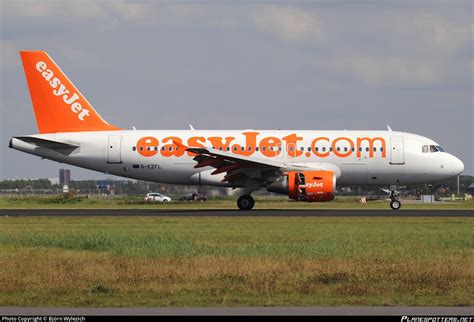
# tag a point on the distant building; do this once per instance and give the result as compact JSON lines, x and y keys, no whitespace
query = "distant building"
{"x":64,"y":176}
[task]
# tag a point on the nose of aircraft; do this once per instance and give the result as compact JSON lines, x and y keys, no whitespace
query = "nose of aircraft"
{"x":456,"y":166}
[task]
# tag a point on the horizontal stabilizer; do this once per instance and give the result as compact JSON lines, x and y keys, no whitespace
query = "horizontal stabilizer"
{"x":50,"y":144}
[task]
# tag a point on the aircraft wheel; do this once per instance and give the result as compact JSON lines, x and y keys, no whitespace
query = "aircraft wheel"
{"x":245,"y":202}
{"x":395,"y":204}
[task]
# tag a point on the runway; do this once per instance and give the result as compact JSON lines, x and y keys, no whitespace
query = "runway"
{"x":262,"y":311}
{"x":234,"y":213}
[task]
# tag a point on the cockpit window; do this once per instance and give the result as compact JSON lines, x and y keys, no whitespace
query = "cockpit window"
{"x":431,"y":149}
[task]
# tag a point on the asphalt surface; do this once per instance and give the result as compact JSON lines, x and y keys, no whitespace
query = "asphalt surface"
{"x":235,"y":213}
{"x":343,"y":310}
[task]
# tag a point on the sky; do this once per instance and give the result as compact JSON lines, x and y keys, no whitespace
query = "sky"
{"x":316,"y":65}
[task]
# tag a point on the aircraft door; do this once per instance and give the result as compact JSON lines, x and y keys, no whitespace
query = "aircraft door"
{"x":397,"y":153}
{"x":114,"y":153}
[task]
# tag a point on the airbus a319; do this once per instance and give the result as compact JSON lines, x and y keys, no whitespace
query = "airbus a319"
{"x":305,"y":165}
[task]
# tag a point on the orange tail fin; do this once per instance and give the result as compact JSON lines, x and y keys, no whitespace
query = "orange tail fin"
{"x":58,"y":105}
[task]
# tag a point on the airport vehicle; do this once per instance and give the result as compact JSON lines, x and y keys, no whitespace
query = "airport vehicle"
{"x":305,"y":165}
{"x":193,"y":197}
{"x":155,"y":196}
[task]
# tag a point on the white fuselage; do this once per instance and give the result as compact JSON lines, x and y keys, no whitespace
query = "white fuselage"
{"x":356,"y":157}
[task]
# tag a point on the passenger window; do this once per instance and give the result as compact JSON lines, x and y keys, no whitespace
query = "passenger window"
{"x":367,"y":149}
{"x":309,"y":149}
{"x":345,"y":149}
{"x":256,"y":148}
{"x":324,"y":149}
{"x":134,"y":148}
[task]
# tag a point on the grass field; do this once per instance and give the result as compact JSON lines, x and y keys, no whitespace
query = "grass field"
{"x":60,"y":202}
{"x":300,"y":261}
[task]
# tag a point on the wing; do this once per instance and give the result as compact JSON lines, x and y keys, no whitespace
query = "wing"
{"x":238,"y":167}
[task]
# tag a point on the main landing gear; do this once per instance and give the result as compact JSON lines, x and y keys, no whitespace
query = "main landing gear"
{"x":245,"y":202}
{"x":395,"y":204}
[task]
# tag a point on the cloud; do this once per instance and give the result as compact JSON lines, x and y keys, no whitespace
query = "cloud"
{"x":54,"y":9}
{"x":431,"y":32}
{"x":424,"y":47}
{"x":47,"y":12}
{"x":187,"y":10}
{"x":378,"y":70}
{"x":143,"y":13}
{"x":288,"y":23}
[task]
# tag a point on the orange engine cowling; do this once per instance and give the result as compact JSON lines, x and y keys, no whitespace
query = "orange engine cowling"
{"x":311,"y":186}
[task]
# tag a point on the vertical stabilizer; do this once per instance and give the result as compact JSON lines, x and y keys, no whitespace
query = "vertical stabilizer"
{"x":58,"y":104}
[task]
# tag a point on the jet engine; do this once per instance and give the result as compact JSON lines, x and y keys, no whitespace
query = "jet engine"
{"x":311,"y":186}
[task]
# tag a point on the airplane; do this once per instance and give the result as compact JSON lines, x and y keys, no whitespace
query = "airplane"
{"x":305,"y":165}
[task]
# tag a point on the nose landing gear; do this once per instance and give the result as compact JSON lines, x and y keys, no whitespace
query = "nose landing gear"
{"x":395,"y":204}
